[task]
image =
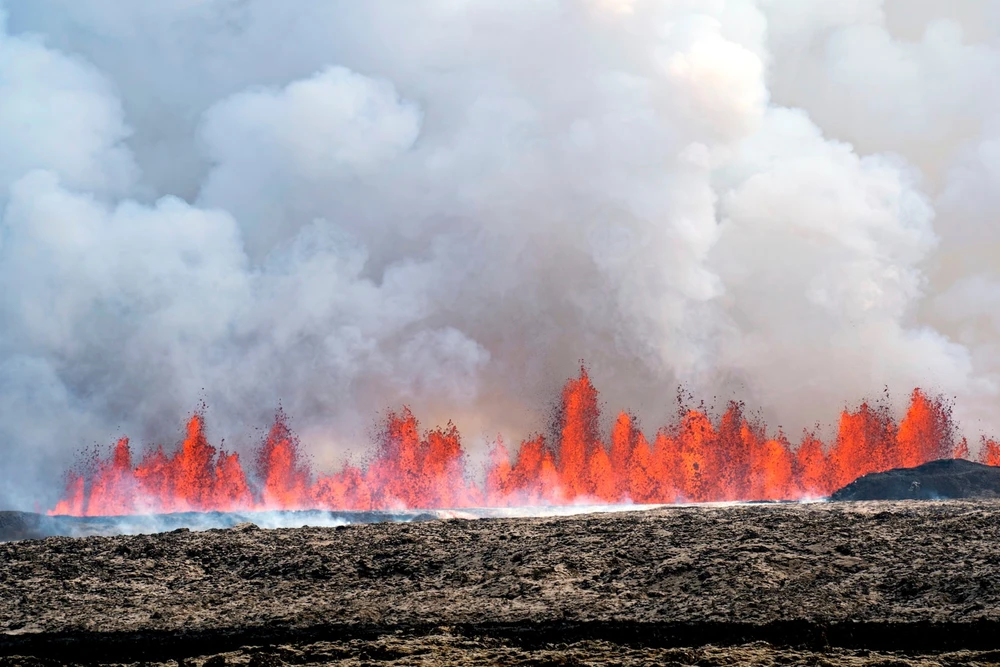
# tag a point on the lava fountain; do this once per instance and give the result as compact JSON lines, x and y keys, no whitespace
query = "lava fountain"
{"x":692,"y":459}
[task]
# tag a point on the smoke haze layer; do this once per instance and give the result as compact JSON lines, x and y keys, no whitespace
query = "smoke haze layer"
{"x":348,"y":206}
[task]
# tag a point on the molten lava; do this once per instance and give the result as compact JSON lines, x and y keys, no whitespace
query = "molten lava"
{"x":691,"y":460}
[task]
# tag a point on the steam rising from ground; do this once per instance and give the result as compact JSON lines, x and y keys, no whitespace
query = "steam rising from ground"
{"x":17,"y":526}
{"x":348,"y":206}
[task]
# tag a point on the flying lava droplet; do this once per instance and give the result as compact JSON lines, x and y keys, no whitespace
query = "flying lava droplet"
{"x":691,"y":460}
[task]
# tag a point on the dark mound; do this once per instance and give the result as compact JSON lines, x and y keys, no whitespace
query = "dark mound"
{"x":947,"y":479}
{"x":21,"y":526}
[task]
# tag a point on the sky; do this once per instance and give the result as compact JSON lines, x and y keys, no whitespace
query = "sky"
{"x":343,"y":207}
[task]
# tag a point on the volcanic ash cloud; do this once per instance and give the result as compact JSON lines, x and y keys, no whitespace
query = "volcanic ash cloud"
{"x":354,"y":206}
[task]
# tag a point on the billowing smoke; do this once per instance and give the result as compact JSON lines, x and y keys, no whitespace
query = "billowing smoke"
{"x":346,"y":206}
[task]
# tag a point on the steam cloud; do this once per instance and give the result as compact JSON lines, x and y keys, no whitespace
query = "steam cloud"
{"x":345,"y":206}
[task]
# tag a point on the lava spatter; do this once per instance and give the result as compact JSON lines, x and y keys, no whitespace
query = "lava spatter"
{"x":693,"y":459}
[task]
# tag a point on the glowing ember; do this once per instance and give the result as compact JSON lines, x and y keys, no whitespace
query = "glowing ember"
{"x":693,"y":459}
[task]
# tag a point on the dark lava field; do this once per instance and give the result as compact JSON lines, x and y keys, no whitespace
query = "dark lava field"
{"x":865,"y":583}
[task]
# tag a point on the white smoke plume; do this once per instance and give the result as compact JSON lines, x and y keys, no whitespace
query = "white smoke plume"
{"x":347,"y":206}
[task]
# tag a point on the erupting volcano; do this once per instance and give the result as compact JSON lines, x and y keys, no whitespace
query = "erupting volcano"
{"x":693,"y":459}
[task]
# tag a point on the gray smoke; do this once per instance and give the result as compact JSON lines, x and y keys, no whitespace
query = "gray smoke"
{"x":347,"y":206}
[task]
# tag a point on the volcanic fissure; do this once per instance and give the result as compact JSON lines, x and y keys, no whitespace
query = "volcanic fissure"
{"x":693,"y":459}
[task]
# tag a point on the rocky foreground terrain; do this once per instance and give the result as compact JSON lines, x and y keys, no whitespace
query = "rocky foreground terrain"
{"x":884,"y":583}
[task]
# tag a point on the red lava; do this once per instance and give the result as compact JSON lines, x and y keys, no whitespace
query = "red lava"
{"x":693,"y":459}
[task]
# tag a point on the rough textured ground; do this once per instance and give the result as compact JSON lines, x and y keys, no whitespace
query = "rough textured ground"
{"x":937,"y":480}
{"x":446,"y":648}
{"x":848,"y":583}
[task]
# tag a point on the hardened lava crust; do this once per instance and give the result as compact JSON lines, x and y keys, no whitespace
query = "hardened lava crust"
{"x":908,"y":582}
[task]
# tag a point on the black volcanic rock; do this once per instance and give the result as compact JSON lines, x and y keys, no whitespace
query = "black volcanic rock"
{"x":824,"y":583}
{"x":21,"y":526}
{"x":947,"y":479}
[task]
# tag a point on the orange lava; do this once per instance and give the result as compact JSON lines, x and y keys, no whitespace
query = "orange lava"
{"x":694,"y":459}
